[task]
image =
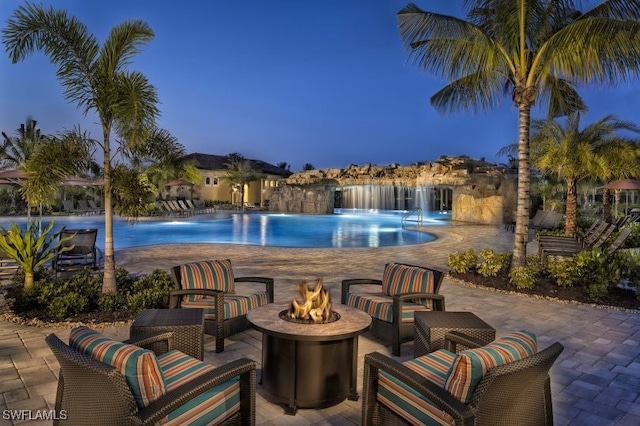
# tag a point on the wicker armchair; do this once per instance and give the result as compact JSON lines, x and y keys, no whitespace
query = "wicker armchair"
{"x":210,"y":285}
{"x":91,"y":392}
{"x":403,"y":290}
{"x":517,"y":392}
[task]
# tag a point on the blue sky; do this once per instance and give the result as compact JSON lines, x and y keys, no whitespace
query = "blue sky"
{"x":324,"y":82}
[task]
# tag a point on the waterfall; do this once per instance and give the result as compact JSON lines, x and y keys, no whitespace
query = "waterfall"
{"x":387,"y":197}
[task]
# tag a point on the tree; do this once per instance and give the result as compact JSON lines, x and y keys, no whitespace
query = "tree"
{"x":283,"y":165}
{"x":308,"y":166}
{"x":574,"y":154}
{"x":95,"y":78}
{"x":241,"y":172}
{"x":534,"y":50}
{"x":16,"y":150}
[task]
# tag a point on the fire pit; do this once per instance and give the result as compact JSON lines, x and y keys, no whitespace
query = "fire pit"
{"x":308,"y":364}
{"x":315,"y":307}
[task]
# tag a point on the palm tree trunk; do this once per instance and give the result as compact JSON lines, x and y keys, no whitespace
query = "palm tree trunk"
{"x":109,"y":279}
{"x":28,"y":279}
{"x":524,"y":183}
{"x":606,"y":204}
{"x":571,"y":213}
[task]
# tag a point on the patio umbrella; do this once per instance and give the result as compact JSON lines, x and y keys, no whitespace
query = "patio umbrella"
{"x":626,"y":184}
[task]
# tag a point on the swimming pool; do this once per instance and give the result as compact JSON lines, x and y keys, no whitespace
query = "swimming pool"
{"x":346,"y":229}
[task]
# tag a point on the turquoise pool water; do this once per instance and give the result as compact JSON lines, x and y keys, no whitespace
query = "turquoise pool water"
{"x":344,"y":229}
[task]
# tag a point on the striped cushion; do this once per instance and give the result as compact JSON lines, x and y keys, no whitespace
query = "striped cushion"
{"x":381,"y":307}
{"x":235,"y":305}
{"x":472,"y":364}
{"x":139,"y":366}
{"x":402,"y":279}
{"x":211,"y":407}
{"x":211,"y":274}
{"x":406,"y":402}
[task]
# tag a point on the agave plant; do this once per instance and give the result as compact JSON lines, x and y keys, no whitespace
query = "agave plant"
{"x":31,"y":249}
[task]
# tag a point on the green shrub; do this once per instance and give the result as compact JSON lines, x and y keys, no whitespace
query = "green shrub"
{"x":462,"y":262}
{"x":564,"y":271}
{"x":633,"y":240}
{"x":111,"y":301}
{"x":534,"y":264}
{"x":150,"y":291}
{"x":63,"y":306}
{"x":491,"y":263}
{"x":522,"y":277}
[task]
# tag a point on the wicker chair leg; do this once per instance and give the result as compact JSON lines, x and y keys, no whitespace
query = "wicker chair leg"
{"x":395,"y":344}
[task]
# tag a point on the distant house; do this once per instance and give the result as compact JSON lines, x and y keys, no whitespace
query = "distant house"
{"x":212,"y":186}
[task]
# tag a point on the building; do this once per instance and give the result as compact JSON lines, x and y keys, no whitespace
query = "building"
{"x":213,"y":186}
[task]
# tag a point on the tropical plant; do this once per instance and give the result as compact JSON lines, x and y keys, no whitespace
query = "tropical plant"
{"x":240,"y":172}
{"x":462,"y":262}
{"x":31,"y":249}
{"x":534,"y":50}
{"x":308,"y":166}
{"x":16,"y":150}
{"x":96,"y":78}
{"x":574,"y":154}
{"x":284,"y":165}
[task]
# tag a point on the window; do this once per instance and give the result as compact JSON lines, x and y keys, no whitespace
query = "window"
{"x":215,"y":181}
{"x":207,"y":181}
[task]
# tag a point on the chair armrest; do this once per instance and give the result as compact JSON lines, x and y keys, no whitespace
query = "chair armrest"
{"x":149,"y":339}
{"x":374,"y":362}
{"x":244,"y":368}
{"x":346,"y":284}
{"x":264,"y":280}
{"x":438,"y":300}
{"x":175,"y":297}
{"x":453,"y":338}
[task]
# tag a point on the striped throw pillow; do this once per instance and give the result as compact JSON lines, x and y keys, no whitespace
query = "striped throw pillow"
{"x":139,"y":366}
{"x":401,"y":279}
{"x":472,"y":364}
{"x":210,"y":274}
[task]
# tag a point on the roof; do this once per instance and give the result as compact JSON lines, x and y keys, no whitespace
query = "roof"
{"x":219,"y":162}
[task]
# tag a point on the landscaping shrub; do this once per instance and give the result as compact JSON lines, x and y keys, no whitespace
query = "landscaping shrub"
{"x":490,"y":263}
{"x":82,"y":294}
{"x":462,"y":262}
{"x":563,"y":271}
{"x":523,"y":277}
{"x":633,"y":240}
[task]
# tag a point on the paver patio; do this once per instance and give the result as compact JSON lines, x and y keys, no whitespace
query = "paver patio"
{"x":595,"y":381}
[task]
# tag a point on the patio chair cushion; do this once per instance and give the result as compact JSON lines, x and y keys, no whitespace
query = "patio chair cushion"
{"x":381,"y":307}
{"x":235,"y":305}
{"x":472,"y":364}
{"x":209,"y":274}
{"x":402,"y":399}
{"x":139,"y":366}
{"x":211,"y":407}
{"x":401,"y":279}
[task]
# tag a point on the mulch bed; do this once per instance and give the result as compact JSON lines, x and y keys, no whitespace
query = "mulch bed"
{"x":545,"y":287}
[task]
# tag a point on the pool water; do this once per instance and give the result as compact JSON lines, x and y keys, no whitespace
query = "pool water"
{"x":344,"y":229}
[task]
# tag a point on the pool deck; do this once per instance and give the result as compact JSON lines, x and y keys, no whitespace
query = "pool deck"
{"x":595,"y":381}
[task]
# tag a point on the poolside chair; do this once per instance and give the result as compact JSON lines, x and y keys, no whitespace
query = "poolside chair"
{"x":107,"y":382}
{"x":391,"y":301}
{"x":83,"y":253}
{"x":503,"y":383}
{"x":567,"y":252}
{"x":210,"y":285}
{"x":68,"y":207}
{"x":186,"y":209}
{"x":591,"y":236}
{"x":93,"y":206}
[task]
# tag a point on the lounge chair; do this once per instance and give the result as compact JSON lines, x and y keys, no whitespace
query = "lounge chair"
{"x":68,"y":207}
{"x":592,"y":235}
{"x":393,"y":300}
{"x":8,"y":266}
{"x":613,"y":246}
{"x":107,"y":382}
{"x":93,"y":206}
{"x":509,"y":386}
{"x":83,"y":253}
{"x":210,"y":285}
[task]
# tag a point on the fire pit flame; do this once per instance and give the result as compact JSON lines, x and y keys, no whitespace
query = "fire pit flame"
{"x":315,"y":306}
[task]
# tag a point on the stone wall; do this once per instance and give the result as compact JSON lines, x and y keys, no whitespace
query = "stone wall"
{"x":482,"y":192}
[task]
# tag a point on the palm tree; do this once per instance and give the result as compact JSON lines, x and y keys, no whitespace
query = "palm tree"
{"x":618,"y":163}
{"x":96,"y":78}
{"x":534,"y":50}
{"x":573,"y":154}
{"x":240,"y":172}
{"x":17,"y":150}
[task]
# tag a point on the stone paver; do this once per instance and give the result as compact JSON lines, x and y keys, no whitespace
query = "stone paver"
{"x":595,"y":381}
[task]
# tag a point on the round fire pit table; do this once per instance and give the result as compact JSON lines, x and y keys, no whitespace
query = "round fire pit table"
{"x":309,"y":365}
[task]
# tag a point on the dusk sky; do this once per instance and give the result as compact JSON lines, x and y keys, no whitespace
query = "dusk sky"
{"x":324,"y":82}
